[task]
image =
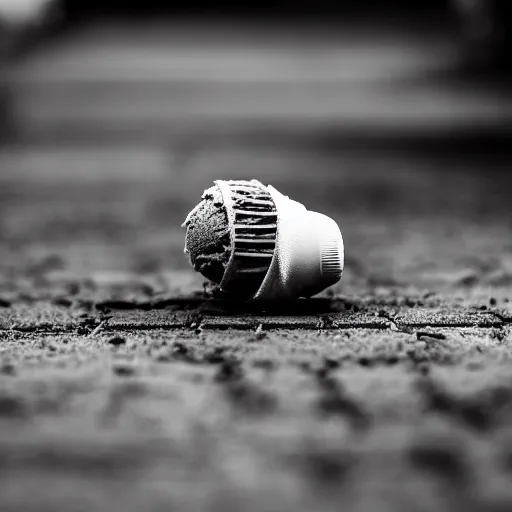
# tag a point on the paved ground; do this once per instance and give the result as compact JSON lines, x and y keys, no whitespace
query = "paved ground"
{"x":124,"y":387}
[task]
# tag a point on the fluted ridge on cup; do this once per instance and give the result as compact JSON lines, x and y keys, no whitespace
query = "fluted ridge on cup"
{"x":253,"y":224}
{"x":331,"y":252}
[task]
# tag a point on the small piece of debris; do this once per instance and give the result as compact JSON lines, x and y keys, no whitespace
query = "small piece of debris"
{"x":116,"y":341}
{"x":62,"y":301}
{"x":260,"y":334}
{"x":393,"y":327}
{"x":123,"y":369}
{"x":433,"y":335}
{"x":98,"y":329}
{"x":365,"y":361}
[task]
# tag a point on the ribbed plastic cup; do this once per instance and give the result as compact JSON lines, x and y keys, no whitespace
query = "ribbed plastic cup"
{"x":309,"y":253}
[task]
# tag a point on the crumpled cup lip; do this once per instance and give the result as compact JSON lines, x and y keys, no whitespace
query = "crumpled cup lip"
{"x":252,"y":218}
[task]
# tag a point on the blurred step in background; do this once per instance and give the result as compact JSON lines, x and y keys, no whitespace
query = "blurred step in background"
{"x":124,"y":71}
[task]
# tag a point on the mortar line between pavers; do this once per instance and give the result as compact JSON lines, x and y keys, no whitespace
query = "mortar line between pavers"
{"x":392,"y":325}
{"x":249,"y":328}
{"x":501,"y":318}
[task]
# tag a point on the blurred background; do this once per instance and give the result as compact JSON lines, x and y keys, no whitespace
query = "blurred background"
{"x":394,"y":117}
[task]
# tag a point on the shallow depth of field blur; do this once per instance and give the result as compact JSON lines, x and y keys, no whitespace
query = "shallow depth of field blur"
{"x":392,"y":117}
{"x":114,"y":118}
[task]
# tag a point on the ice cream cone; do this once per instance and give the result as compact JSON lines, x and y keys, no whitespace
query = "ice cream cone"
{"x":278,"y":249}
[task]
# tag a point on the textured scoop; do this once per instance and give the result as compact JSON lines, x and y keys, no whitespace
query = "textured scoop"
{"x":231,"y":235}
{"x":208,"y":239}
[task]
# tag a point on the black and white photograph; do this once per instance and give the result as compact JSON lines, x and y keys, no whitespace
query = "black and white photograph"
{"x":255,"y":256}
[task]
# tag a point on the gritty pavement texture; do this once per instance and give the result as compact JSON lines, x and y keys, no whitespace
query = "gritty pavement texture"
{"x":124,"y":385}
